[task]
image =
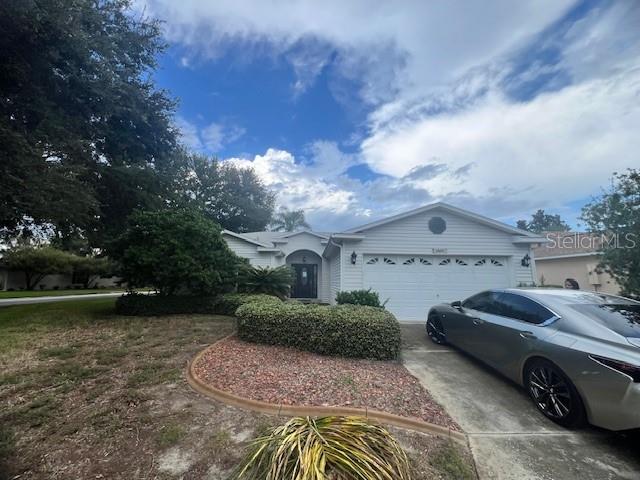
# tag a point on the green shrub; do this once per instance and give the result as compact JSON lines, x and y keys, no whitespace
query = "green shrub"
{"x":229,"y":302}
{"x":271,"y":281}
{"x":177,"y":252}
{"x":152,"y":305}
{"x":347,"y":330}
{"x":359,"y":297}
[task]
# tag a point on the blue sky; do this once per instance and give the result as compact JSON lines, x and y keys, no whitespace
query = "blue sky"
{"x":361,"y":110}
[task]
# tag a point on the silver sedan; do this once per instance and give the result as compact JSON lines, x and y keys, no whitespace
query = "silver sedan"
{"x":577,"y":353}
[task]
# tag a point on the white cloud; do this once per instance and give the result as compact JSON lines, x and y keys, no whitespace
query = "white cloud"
{"x":210,"y":139}
{"x":558,"y":147}
{"x":425,"y":44}
{"x":189,"y":133}
{"x":297,"y":185}
{"x":440,"y":79}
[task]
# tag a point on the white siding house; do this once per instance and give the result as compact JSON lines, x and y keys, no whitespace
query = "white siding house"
{"x":437,"y":253}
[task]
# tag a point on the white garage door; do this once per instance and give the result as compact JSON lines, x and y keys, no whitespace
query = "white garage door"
{"x":413,"y":284}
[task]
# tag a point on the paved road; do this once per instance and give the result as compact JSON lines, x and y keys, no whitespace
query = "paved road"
{"x":5,"y":302}
{"x":508,"y":437}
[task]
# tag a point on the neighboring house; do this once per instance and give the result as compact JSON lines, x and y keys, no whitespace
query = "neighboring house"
{"x":437,"y":253}
{"x":15,"y":280}
{"x":573,"y":255}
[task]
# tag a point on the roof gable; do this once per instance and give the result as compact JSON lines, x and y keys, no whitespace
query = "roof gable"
{"x":451,"y":209}
{"x":299,"y":232}
{"x":248,"y":240}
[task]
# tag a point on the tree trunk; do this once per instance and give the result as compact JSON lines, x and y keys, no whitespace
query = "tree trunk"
{"x":32,"y":279}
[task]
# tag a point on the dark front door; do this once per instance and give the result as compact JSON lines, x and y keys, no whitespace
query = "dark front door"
{"x":306,"y":281}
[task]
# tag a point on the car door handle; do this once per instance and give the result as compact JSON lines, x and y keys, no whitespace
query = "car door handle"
{"x":477,"y":321}
{"x":528,"y":335}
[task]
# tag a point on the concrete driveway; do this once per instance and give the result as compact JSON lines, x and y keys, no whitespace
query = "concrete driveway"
{"x":508,"y":437}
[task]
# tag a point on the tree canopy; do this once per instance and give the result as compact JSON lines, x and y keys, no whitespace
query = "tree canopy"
{"x":543,"y":222}
{"x":86,"y":137}
{"x":289,"y":221}
{"x":233,"y":197}
{"x":36,"y":263}
{"x":77,"y":104}
{"x":616,"y":216}
{"x":175,"y":251}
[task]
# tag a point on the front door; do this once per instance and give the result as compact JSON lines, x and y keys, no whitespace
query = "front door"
{"x":306,"y":281}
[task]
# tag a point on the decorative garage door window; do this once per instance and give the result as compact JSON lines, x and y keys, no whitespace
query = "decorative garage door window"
{"x":433,"y":260}
{"x":416,"y":261}
{"x":489,"y":261}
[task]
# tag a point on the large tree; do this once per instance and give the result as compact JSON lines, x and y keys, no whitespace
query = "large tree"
{"x":83,"y":129}
{"x":616,"y":216}
{"x":176,"y":251}
{"x":543,"y":222}
{"x":36,"y":263}
{"x":233,"y":197}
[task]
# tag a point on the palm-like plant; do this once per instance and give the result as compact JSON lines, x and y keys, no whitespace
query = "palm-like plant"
{"x":271,"y":281}
{"x":337,"y":448}
{"x":289,"y":221}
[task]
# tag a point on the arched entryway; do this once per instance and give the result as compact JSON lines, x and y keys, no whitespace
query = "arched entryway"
{"x":306,"y":266}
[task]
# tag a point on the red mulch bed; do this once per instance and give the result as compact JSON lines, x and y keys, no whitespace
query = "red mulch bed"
{"x":287,"y":376}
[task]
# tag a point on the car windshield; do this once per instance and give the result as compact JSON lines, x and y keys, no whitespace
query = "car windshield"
{"x":622,"y":319}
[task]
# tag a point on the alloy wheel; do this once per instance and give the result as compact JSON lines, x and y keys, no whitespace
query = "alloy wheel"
{"x":550,"y":392}
{"x":435,"y":330}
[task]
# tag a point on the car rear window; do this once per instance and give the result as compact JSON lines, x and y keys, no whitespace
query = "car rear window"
{"x":623,"y":319}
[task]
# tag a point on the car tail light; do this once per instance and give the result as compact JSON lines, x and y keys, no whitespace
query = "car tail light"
{"x":632,"y":370}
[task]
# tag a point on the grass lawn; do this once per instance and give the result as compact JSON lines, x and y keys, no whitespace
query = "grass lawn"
{"x":85,"y":393}
{"x":56,"y":293}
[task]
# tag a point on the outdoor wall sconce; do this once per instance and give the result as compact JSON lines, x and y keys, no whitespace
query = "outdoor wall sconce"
{"x":354,"y":257}
{"x":526,"y":260}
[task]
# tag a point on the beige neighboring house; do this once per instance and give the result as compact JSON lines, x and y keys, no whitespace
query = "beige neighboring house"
{"x":573,"y":255}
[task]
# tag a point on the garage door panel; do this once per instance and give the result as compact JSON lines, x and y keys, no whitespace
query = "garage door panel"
{"x":414,"y":283}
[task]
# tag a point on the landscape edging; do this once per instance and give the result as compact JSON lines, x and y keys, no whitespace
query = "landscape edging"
{"x":306,"y":410}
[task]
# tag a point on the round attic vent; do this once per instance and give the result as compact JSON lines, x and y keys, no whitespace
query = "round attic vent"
{"x":437,"y":225}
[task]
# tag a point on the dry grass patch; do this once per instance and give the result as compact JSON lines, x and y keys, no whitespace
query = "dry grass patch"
{"x":88,"y":394}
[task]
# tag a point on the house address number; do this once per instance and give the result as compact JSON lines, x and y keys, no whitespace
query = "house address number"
{"x":439,"y":250}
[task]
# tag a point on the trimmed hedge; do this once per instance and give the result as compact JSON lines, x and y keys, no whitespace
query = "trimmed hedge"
{"x":346,"y":330}
{"x":359,"y":297}
{"x":152,"y":305}
{"x":229,"y":302}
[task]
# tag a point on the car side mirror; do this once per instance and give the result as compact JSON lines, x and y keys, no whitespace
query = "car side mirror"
{"x":457,"y":304}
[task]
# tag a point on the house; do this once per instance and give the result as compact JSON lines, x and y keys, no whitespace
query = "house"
{"x":573,"y":255}
{"x":436,"y":253}
{"x":15,"y":280}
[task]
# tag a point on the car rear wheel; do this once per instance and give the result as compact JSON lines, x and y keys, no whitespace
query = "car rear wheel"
{"x":435,"y":329}
{"x":554,"y":394}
